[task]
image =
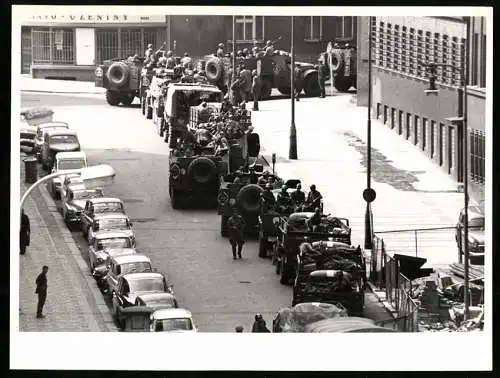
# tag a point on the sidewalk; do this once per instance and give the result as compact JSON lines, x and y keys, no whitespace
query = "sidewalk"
{"x":412,"y":192}
{"x":28,"y":84}
{"x":74,"y":303}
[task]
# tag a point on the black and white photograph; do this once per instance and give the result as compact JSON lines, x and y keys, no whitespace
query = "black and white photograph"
{"x":205,"y":171}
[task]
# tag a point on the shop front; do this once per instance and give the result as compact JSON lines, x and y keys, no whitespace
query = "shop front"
{"x":68,"y":46}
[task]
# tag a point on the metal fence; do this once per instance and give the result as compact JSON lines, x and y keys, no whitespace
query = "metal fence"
{"x":384,"y":273}
{"x":53,"y":46}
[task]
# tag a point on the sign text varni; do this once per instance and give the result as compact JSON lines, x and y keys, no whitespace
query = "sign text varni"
{"x":82,"y":17}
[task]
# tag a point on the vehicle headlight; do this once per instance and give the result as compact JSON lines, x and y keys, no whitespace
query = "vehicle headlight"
{"x":232,"y":201}
{"x":175,"y":171}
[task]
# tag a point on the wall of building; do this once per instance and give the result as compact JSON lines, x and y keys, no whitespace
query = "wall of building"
{"x":363,"y":29}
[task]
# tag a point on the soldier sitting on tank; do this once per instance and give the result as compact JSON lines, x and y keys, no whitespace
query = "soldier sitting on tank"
{"x":220,"y":50}
{"x":298,"y":197}
{"x":314,"y":222}
{"x":283,"y":202}
{"x":268,"y":202}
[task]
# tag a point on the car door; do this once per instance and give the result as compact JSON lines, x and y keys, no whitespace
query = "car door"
{"x":83,"y":218}
{"x":92,"y":250}
{"x":113,"y":276}
{"x":116,"y":295}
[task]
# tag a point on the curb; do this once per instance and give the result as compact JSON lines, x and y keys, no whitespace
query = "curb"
{"x":82,"y":265}
{"x":57,"y":92}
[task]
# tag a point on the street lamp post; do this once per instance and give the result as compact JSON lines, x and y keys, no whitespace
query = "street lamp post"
{"x":292,"y":152}
{"x":462,"y":118}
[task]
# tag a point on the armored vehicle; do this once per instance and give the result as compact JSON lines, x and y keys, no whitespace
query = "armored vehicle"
{"x":341,"y":58}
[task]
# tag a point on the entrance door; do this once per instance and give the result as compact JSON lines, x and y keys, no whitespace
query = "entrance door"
{"x":25,"y":50}
{"x":85,"y":46}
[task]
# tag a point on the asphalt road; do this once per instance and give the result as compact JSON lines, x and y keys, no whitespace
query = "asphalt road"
{"x":186,"y":245}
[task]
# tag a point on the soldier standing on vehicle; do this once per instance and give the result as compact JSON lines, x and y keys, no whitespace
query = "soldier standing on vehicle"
{"x":236,"y":89}
{"x":313,"y":198}
{"x":236,"y":227}
{"x":24,"y":234}
{"x":298,"y":197}
{"x":148,"y":53}
{"x":220,"y":50}
{"x":41,"y":290}
{"x":256,"y":88}
{"x":186,"y":59}
{"x":170,"y":60}
{"x":268,"y":200}
{"x":315,"y":220}
{"x":322,"y":73}
{"x":283,"y":201}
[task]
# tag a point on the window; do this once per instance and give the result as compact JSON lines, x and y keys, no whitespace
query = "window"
{"x":477,"y":155}
{"x":478,"y":60}
{"x":393,"y":118}
{"x":344,"y":27}
{"x":249,"y":28}
{"x":424,"y":133}
{"x":433,"y":138}
{"x":314,"y":28}
{"x":416,"y":127}
{"x":386,"y":114}
{"x":378,"y":110}
{"x":400,"y":122}
{"x":53,"y":46}
{"x":451,"y":147}
{"x":441,"y":143}
{"x":408,"y":125}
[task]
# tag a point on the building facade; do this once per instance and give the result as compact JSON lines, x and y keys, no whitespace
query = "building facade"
{"x":70,"y":45}
{"x":401,"y":46}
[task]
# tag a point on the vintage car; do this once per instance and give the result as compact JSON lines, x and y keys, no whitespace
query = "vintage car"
{"x":103,"y":240}
{"x":123,"y":264}
{"x":55,"y":141}
{"x":111,"y":222}
{"x":99,"y":206}
{"x":157,"y":301}
{"x":74,"y":199}
{"x":475,"y":235}
{"x":73,"y":180}
{"x":172,"y":320}
{"x":65,"y":161}
{"x":41,"y":129}
{"x":132,"y":285}
{"x":30,"y":119}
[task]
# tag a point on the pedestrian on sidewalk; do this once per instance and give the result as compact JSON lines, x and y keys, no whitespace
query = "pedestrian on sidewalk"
{"x":236,"y":226}
{"x":24,"y":233}
{"x":259,"y":324}
{"x":256,"y":87}
{"x":41,"y":290}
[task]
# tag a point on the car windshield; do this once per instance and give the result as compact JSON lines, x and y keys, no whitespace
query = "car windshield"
{"x":108,"y":206}
{"x":112,"y":224}
{"x":196,"y":97}
{"x":176,"y":324}
{"x":476,"y":222}
{"x":63,"y":139}
{"x":114,"y":243}
{"x":71,"y":164}
{"x":138,"y":267}
{"x":86,"y":194}
{"x":167,"y":302}
{"x":147,"y":284}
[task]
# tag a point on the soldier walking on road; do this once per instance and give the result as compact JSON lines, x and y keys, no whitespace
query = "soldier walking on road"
{"x":322,"y":73}
{"x":259,"y":324}
{"x":236,"y":226}
{"x":41,"y":290}
{"x":256,"y":87}
{"x":24,"y":234}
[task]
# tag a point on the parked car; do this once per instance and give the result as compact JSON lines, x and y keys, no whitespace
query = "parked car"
{"x":41,"y":129}
{"x":173,"y":320}
{"x":73,"y":180}
{"x":157,"y":301}
{"x":74,"y":199}
{"x":30,"y":118}
{"x":124,"y":264}
{"x":111,"y":222}
{"x":475,"y":235}
{"x":99,"y":206}
{"x":65,"y":161}
{"x":132,"y":285}
{"x":105,"y":239}
{"x":56,"y":141}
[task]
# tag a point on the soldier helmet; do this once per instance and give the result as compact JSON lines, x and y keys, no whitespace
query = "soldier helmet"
{"x":238,"y":52}
{"x":255,"y":48}
{"x":313,"y":187}
{"x":258,"y":317}
{"x":268,"y":42}
{"x":317,"y":210}
{"x":268,"y":186}
{"x":266,"y":173}
{"x":169,"y":53}
{"x":150,"y":46}
{"x":254,"y":72}
{"x":245,"y":50}
{"x":283,"y":187}
{"x":186,"y":54}
{"x":299,"y":186}
{"x":220,"y":45}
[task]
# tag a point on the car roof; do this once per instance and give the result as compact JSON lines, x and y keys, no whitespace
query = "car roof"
{"x":171,"y":313}
{"x":105,"y":200}
{"x":111,"y":234}
{"x":136,"y":257}
{"x":53,"y":124}
{"x":71,"y":155}
{"x":156,"y":296}
{"x":78,"y":187}
{"x":115,"y":252}
{"x":61,"y":132}
{"x":110,"y":216}
{"x":140,"y":276}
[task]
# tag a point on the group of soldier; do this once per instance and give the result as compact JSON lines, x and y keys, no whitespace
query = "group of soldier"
{"x":256,"y":51}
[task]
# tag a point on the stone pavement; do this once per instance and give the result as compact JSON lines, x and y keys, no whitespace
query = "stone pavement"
{"x":74,"y":303}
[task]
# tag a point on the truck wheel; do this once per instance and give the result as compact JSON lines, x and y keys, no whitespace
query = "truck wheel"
{"x":262,"y":248}
{"x":265,"y":91}
{"x":223,"y":226}
{"x":311,"y":85}
{"x":342,"y":83}
{"x":112,"y":97}
{"x":127,"y":99}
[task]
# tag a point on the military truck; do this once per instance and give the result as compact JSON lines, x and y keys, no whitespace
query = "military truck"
{"x":294,"y":230}
{"x":121,"y":78}
{"x":155,"y":93}
{"x":331,"y":272}
{"x":274,"y":72}
{"x":241,"y":190}
{"x":342,"y":57}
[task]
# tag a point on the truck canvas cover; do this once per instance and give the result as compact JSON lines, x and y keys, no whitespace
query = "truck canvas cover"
{"x":296,"y":319}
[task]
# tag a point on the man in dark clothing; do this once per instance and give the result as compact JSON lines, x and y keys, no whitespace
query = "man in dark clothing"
{"x":298,"y":83}
{"x":315,"y":220}
{"x":24,"y":234}
{"x":283,"y":201}
{"x":41,"y":290}
{"x":322,"y":73}
{"x":259,"y":324}
{"x":246,"y":87}
{"x":268,"y":200}
{"x":256,"y":88}
{"x":313,"y":198}
{"x":236,"y":226}
{"x":298,"y":196}
{"x":236,"y":88}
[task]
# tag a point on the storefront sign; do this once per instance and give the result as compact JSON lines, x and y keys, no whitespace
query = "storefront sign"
{"x":96,"y":18}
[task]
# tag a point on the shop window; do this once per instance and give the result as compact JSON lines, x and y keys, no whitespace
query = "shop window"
{"x":424,"y":134}
{"x":53,"y":46}
{"x":386,"y":114}
{"x":249,"y":28}
{"x":433,"y":138}
{"x":451,"y":147}
{"x":393,"y":118}
{"x":379,"y":106}
{"x":477,"y":156}
{"x":441,"y":143}
{"x":416,"y":128}
{"x":314,"y":28}
{"x":408,"y":125}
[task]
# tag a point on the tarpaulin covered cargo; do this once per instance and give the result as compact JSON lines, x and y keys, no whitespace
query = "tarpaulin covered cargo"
{"x":295,"y":319}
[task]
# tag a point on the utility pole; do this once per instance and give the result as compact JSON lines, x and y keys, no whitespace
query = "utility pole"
{"x":292,"y":152}
{"x":233,"y":76}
